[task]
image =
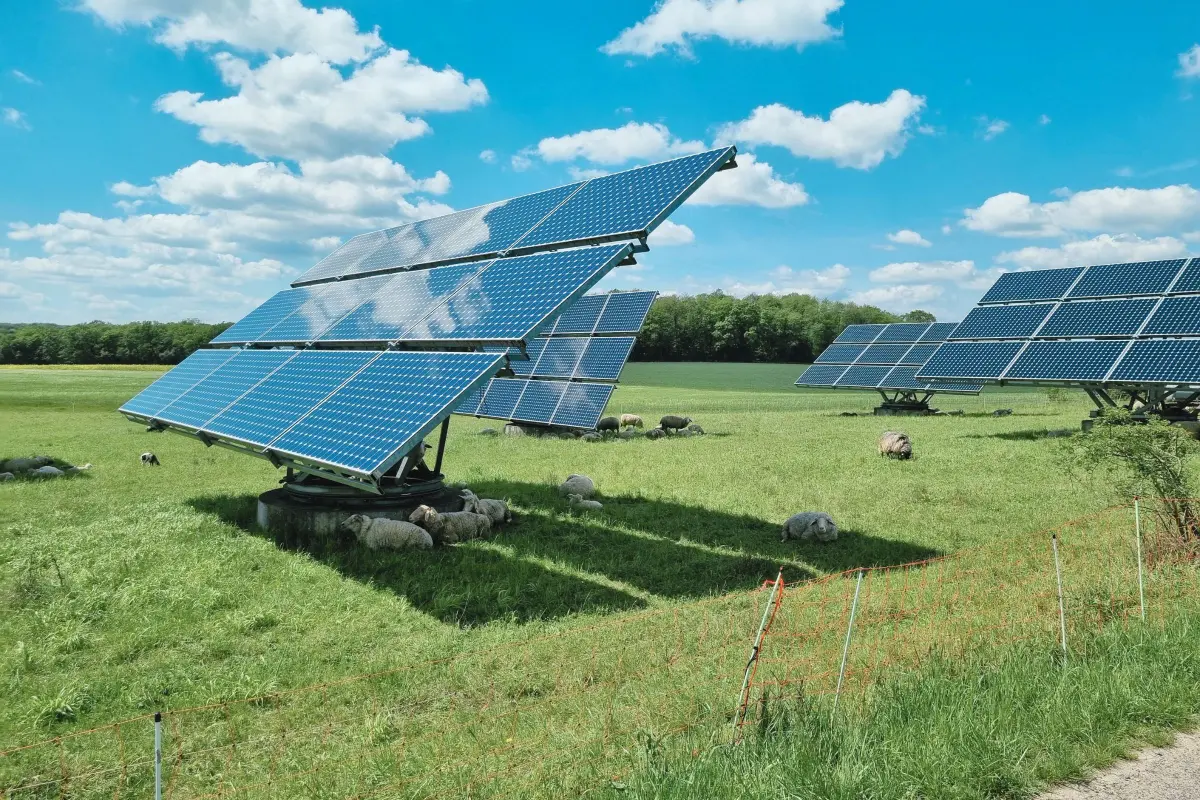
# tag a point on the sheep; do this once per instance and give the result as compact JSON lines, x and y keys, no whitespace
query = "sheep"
{"x":378,"y":533}
{"x":1002,"y":412}
{"x":489,"y":432}
{"x":628,"y":434}
{"x":26,"y":464}
{"x":149,"y":460}
{"x":47,"y":472}
{"x":495,"y":510}
{"x":592,"y":436}
{"x":696,"y":429}
{"x":671,"y":422}
{"x":808,"y":525}
{"x":452,"y":526}
{"x":608,"y":424}
{"x":631,"y":421}
{"x":578,"y":484}
{"x":578,"y":503}
{"x":686,"y":432}
{"x":6,"y":476}
{"x":655,"y":433}
{"x":895,"y":445}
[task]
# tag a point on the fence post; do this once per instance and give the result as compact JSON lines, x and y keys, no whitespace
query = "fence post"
{"x":1137,"y":527}
{"x":1062,"y":614}
{"x":157,"y":755}
{"x":837,"y":693}
{"x":744,"y":696}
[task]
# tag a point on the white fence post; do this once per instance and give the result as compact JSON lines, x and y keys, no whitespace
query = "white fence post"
{"x":1137,"y":526}
{"x":1062,"y":613}
{"x":846,"y":647}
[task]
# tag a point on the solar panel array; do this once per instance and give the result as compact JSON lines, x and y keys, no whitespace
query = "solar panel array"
{"x":882,"y":357}
{"x":1136,"y":323}
{"x":622,"y":206}
{"x":559,"y":384}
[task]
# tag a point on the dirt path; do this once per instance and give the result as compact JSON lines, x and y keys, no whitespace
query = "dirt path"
{"x":1158,"y":773}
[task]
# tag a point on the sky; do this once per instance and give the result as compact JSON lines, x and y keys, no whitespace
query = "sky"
{"x":175,"y":159}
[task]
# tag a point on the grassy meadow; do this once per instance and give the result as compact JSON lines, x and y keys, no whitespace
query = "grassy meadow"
{"x":594,"y":653}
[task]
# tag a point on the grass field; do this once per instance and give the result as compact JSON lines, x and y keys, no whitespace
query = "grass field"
{"x":128,"y":590}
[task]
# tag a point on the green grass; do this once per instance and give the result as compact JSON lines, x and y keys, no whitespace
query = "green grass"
{"x":128,"y":590}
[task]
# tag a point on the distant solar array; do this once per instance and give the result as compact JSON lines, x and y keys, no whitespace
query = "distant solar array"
{"x":882,"y":357}
{"x":1132,"y":324}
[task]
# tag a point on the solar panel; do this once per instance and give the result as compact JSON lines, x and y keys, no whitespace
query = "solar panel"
{"x":1097,"y":318}
{"x":1144,"y":277}
{"x":859,"y":377}
{"x":1043,"y":284}
{"x":222,"y":386}
{"x":969,"y":361}
{"x":1189,"y":279}
{"x":822,"y":375}
{"x":175,"y":382}
{"x":553,"y":358}
{"x":605,"y":358}
{"x":1066,"y":360}
{"x":500,"y":398}
{"x":538,"y":401}
{"x":1002,"y":322}
{"x":859,"y":334}
{"x":581,"y":405}
{"x":625,"y":312}
{"x":840,"y":354}
{"x":938,"y":332}
{"x":883,"y":354}
{"x":251,"y":327}
{"x":1166,"y":361}
{"x":541,"y":402}
{"x":324,"y":307}
{"x":903,"y":332}
{"x":919,"y":354}
{"x":1176,"y":315}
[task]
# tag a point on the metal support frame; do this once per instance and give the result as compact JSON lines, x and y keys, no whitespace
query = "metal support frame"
{"x":904,"y":401}
{"x":441,"y":450}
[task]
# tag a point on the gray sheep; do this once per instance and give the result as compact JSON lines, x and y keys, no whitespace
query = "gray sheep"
{"x":391,"y":534}
{"x":608,"y":424}
{"x":696,"y":429}
{"x":895,"y":445}
{"x":577,"y":484}
{"x":592,"y":436}
{"x":631,"y":421}
{"x":673,"y":423}
{"x":810,"y":525}
{"x":451,"y":526}
{"x":655,"y":433}
{"x":26,"y":464}
{"x":495,"y":510}
{"x":1002,"y":412}
{"x":579,"y":504}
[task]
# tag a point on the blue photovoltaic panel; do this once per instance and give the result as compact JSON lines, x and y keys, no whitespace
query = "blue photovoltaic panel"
{"x":557,"y":359}
{"x":538,"y":401}
{"x":469,"y":405}
{"x":1097,"y":318}
{"x":890,"y":354}
{"x":903,"y":332}
{"x":969,"y":360}
{"x":522,"y":367}
{"x":863,"y":377}
{"x":223,"y":386}
{"x":581,"y":405}
{"x":821,"y":375}
{"x":861,"y":334}
{"x":630,"y":202}
{"x":289,"y":392}
{"x":919,"y":354}
{"x":1189,"y":281}
{"x":605,"y":358}
{"x":251,"y":327}
{"x":1042,"y":284}
{"x":1002,"y":322}
{"x":581,"y":316}
{"x":1069,"y":360}
{"x":939,"y":331}
{"x":345,"y":258}
{"x":175,"y":382}
{"x":512,"y":298}
{"x":1169,"y":361}
{"x":1145,"y":277}
{"x":325,"y":306}
{"x":1176,"y":316}
{"x":625,"y":312}
{"x":500,"y":398}
{"x":904,"y":378}
{"x":381,"y":413}
{"x":840,"y":354}
{"x":401,"y":302}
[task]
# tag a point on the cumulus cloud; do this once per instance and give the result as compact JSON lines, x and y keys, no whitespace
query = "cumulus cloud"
{"x":924,"y":271}
{"x":1014,"y":214}
{"x":488,"y":156}
{"x":267,"y":26}
{"x":671,"y":233}
{"x":632,"y":141}
{"x":1103,"y":249}
{"x":16,"y":119}
{"x":770,"y":23}
{"x":909,"y":237}
{"x":858,"y":135}
{"x":1189,"y":63}
{"x":754,"y":183}
{"x":900,"y":298}
{"x":785,"y":280}
{"x":991,"y":128}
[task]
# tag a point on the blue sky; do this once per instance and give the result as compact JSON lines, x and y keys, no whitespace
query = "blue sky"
{"x":164,"y":159}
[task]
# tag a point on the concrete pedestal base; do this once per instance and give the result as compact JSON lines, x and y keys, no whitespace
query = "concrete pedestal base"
{"x":309,"y":521}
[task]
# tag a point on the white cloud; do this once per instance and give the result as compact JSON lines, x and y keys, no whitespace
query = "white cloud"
{"x":785,"y":280}
{"x":1103,"y":249}
{"x":520,"y":162}
{"x":909,"y":237}
{"x":947,"y":230}
{"x":1013,"y":214}
{"x":488,"y":156}
{"x":1044,"y":119}
{"x":585,"y":173}
{"x":23,"y":78}
{"x":299,"y":106}
{"x":1191,"y":236}
{"x":1189,"y":63}
{"x":632,"y":141}
{"x":898,"y":299}
{"x":924,"y":271}
{"x":771,"y":23}
{"x":754,"y":182}
{"x":671,"y":233}
{"x":991,"y":128}
{"x":858,"y":135}
{"x":9,"y":290}
{"x":16,"y":119}
{"x":267,"y":26}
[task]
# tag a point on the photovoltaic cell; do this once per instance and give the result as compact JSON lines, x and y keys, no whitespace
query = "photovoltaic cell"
{"x":251,"y":327}
{"x":175,"y":382}
{"x":581,"y":317}
{"x":558,"y":358}
{"x":890,"y":354}
{"x":1168,"y":361}
{"x":1042,"y":284}
{"x":1144,"y":277}
{"x":939,"y":332}
{"x":903,"y":332}
{"x":1176,"y":316}
{"x":1189,"y":281}
{"x":345,"y":258}
{"x":605,"y":358}
{"x":821,"y":375}
{"x":538,"y":401}
{"x":919,"y":354}
{"x":500,"y":397}
{"x":1002,"y":322}
{"x":1067,"y":360}
{"x":625,"y":312}
{"x":1097,"y":318}
{"x":401,"y":302}
{"x":863,"y":377}
{"x":840,"y":354}
{"x":581,"y":405}
{"x":969,"y":360}
{"x":223,"y":386}
{"x":325,"y":306}
{"x":859,"y":334}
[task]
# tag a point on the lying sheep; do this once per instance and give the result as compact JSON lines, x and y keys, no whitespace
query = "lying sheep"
{"x":495,"y":510}
{"x":655,"y":433}
{"x":631,"y":421}
{"x":809,"y":525}
{"x":592,"y":436}
{"x":895,"y":445}
{"x":149,"y":460}
{"x":1002,"y":412}
{"x":26,"y":464}
{"x":628,"y":434}
{"x":47,"y":472}
{"x":608,"y":424}
{"x":577,"y":484}
{"x":577,"y":502}
{"x":696,"y":429}
{"x":451,"y":526}
{"x":685,"y":432}
{"x":673,"y":423}
{"x":378,"y":533}
{"x":7,"y":476}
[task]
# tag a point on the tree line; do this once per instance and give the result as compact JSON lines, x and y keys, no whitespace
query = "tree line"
{"x":792,"y":328}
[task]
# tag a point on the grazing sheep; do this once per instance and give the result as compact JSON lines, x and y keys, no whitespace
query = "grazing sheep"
{"x":6,"y":476}
{"x":631,"y":421}
{"x":26,"y":464}
{"x":495,"y":510}
{"x":809,"y":525}
{"x":489,"y":432}
{"x":577,"y":502}
{"x":451,"y":526}
{"x":671,"y":422}
{"x":149,"y":460}
{"x":655,"y":433}
{"x":592,"y":436}
{"x":47,"y":472}
{"x":1002,"y":412}
{"x":378,"y":533}
{"x":578,"y":484}
{"x":608,"y":424}
{"x":895,"y":445}
{"x":696,"y":429}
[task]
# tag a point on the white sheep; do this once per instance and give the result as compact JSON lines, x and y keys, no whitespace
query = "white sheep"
{"x":577,"y":502}
{"x":895,"y":445}
{"x":581,"y":485}
{"x":392,"y":534}
{"x":451,"y":526}
{"x":808,"y":525}
{"x":631,"y":421}
{"x":495,"y":510}
{"x":47,"y":472}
